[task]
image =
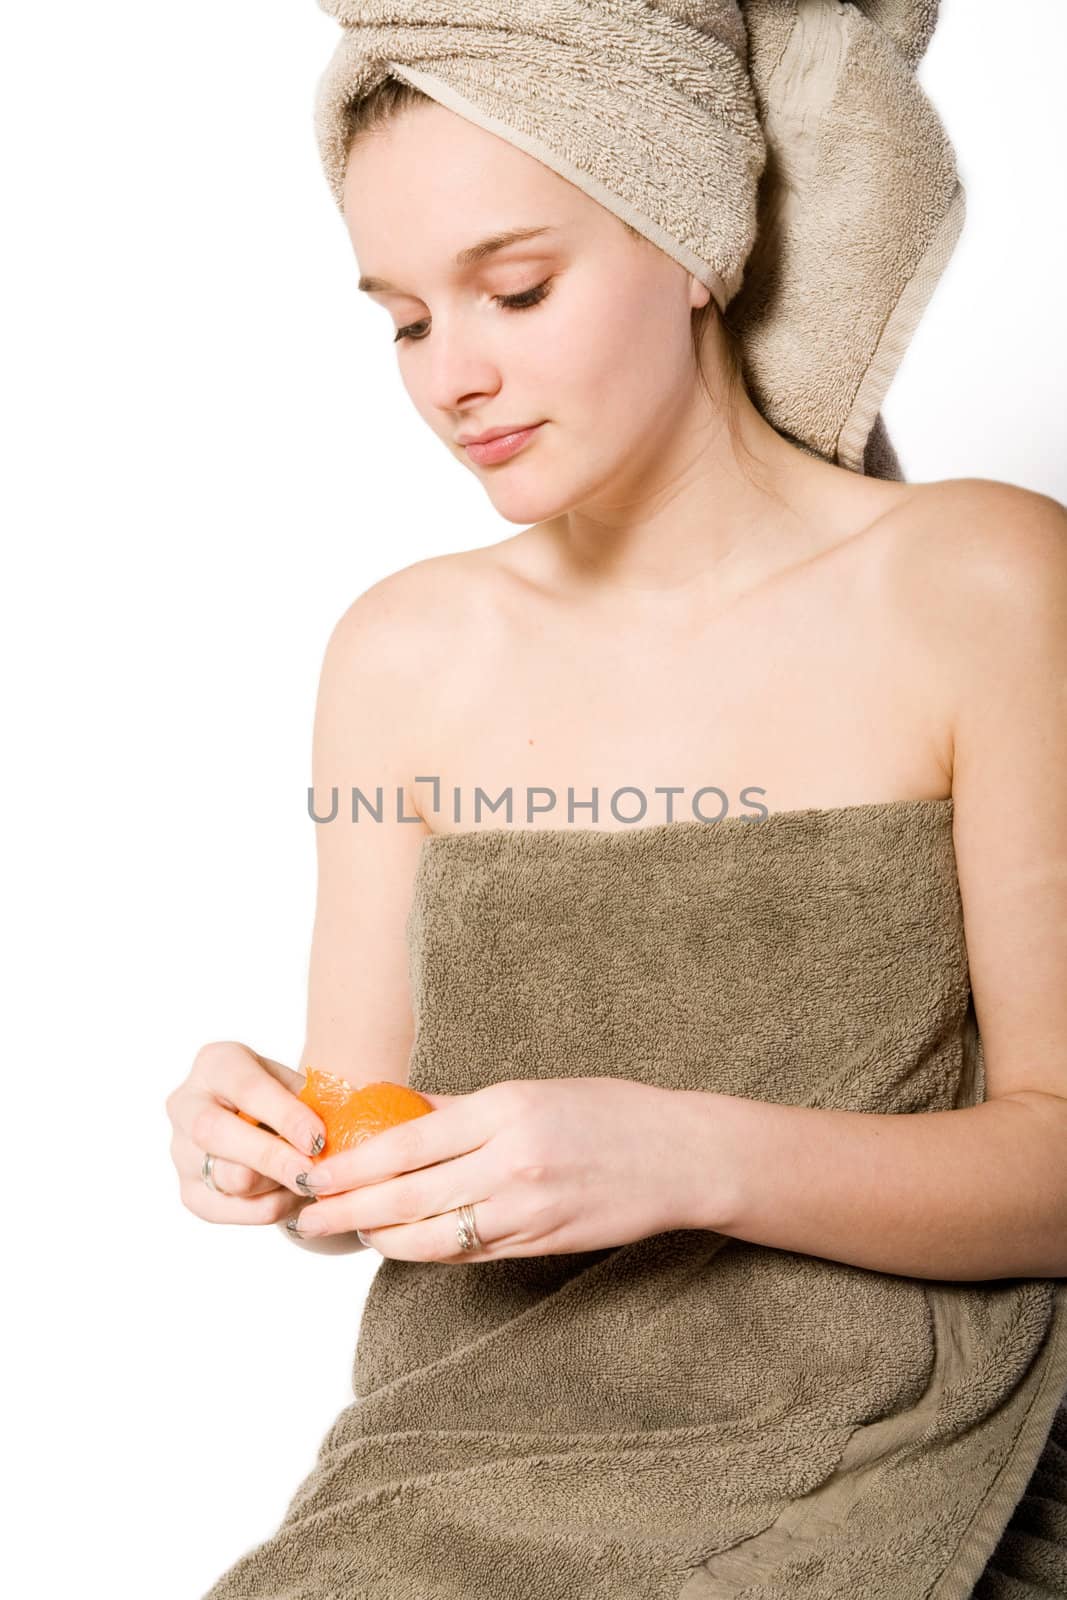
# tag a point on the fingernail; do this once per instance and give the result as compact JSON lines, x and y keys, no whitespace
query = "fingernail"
{"x":291,"y":1224}
{"x":315,"y":1143}
{"x":302,"y":1182}
{"x":322,"y":1179}
{"x":363,"y":1239}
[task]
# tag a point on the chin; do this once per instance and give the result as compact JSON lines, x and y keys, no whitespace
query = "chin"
{"x":540,"y":498}
{"x":535,"y":510}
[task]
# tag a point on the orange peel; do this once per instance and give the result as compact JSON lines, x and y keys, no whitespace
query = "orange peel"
{"x":352,"y":1115}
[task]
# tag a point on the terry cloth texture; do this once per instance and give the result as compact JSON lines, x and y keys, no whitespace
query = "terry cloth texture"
{"x":692,"y":1416}
{"x":782,"y":151}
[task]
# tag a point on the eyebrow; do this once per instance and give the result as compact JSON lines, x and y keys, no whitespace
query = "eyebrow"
{"x":466,"y":258}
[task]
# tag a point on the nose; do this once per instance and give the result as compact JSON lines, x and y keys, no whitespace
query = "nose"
{"x":462,"y":369}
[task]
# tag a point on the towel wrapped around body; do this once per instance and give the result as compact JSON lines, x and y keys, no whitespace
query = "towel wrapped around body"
{"x":691,"y":1416}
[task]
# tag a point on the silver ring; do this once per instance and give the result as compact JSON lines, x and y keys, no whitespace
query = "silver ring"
{"x":207,"y":1172}
{"x":466,"y":1232}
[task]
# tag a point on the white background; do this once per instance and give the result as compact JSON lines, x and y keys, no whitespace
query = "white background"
{"x":209,"y":455}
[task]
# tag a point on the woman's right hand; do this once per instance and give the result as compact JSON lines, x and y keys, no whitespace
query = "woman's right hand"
{"x":255,"y":1167}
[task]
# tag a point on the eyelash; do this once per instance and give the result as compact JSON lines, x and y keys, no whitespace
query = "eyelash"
{"x":509,"y":302}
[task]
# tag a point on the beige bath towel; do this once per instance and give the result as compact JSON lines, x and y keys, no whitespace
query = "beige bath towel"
{"x":690,"y":1416}
{"x":781,"y":150}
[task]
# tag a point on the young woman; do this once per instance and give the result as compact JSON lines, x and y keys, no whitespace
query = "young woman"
{"x":692,"y":602}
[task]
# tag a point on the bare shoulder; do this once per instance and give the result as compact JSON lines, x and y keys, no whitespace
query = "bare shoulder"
{"x":432,"y":606}
{"x":972,"y":575}
{"x":979,"y":541}
{"x":967,"y":561}
{"x":414,"y":607}
{"x":410,"y":645}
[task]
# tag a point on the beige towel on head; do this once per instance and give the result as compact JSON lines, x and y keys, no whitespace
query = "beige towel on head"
{"x":691,"y":1416}
{"x":781,"y":150}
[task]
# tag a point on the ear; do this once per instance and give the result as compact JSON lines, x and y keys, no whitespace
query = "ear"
{"x":699,"y":293}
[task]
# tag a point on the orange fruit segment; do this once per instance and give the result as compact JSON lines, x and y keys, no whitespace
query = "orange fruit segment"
{"x":352,"y":1115}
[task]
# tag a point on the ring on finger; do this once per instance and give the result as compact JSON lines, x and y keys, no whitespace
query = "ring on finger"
{"x":207,"y":1173}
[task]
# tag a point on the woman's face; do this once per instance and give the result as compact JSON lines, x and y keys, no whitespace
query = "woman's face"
{"x":595,"y":346}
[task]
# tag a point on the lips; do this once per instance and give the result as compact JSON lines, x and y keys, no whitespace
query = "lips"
{"x":499,"y":444}
{"x":494,"y":433}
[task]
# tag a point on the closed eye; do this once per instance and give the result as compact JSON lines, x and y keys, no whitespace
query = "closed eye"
{"x":510,"y":302}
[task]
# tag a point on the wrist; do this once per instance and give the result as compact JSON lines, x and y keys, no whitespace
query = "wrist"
{"x":707,"y":1166}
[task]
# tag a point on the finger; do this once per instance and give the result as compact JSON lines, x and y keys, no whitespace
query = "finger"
{"x":434,"y":1238}
{"x":222,"y":1132}
{"x":254,"y":1211}
{"x":232,"y":1177}
{"x":456,"y":1130}
{"x":290,"y":1078}
{"x":438,"y":1101}
{"x":406,"y":1200}
{"x":240,"y":1079}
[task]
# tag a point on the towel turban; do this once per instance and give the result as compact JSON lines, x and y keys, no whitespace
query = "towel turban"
{"x":782,"y":151}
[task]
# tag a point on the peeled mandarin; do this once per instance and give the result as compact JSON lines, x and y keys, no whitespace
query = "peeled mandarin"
{"x":352,"y":1115}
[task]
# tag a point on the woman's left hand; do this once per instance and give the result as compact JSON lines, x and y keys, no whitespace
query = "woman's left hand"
{"x":551,"y":1166}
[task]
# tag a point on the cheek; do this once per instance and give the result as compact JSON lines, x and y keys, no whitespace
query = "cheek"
{"x":418,"y":392}
{"x":630,"y":374}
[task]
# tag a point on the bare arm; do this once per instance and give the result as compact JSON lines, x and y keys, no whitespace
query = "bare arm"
{"x":979,"y":1192}
{"x":965,"y":1195}
{"x":359,"y":1019}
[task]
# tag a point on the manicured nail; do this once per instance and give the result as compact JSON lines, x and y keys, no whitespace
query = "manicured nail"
{"x":314,"y":1144}
{"x":302,"y":1181}
{"x":362,"y":1237}
{"x":291,"y":1224}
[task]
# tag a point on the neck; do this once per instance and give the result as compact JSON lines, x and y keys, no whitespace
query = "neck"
{"x":708,"y":511}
